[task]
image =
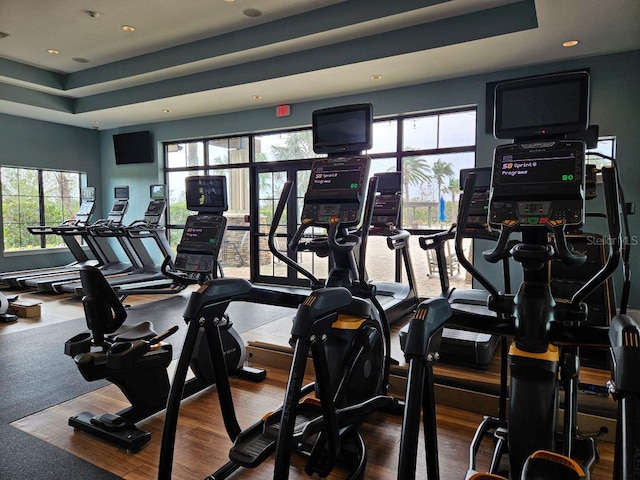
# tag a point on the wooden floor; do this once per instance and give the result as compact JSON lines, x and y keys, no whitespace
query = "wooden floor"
{"x":202,"y":445}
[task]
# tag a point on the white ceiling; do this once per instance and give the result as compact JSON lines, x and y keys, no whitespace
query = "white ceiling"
{"x":202,"y":57}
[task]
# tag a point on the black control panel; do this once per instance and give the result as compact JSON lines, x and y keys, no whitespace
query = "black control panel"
{"x":200,"y":243}
{"x":534,"y":183}
{"x":335,"y":191}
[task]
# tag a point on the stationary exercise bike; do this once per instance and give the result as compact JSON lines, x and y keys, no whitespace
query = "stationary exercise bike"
{"x":344,"y":333}
{"x":133,"y":356}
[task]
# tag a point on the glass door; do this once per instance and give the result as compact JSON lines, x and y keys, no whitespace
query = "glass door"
{"x":266,"y":268}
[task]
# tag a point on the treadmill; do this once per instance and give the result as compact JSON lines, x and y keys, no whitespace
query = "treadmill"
{"x":80,"y":220}
{"x":94,"y":235}
{"x":149,"y":273}
{"x":397,"y":299}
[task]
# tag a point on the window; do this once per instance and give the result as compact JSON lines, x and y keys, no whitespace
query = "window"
{"x":429,"y":149}
{"x":36,"y":197}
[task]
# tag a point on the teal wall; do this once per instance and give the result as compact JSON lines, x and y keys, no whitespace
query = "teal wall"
{"x":614,"y":106}
{"x":31,"y":143}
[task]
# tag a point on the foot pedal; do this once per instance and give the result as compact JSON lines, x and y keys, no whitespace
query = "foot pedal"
{"x":252,"y":447}
{"x":122,"y":434}
{"x":253,"y":374}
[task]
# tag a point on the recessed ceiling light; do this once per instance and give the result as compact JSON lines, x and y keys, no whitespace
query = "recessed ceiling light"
{"x":570,"y":43}
{"x":229,"y":1}
{"x":53,"y":51}
{"x":166,"y":110}
{"x":80,"y":60}
{"x":376,"y":77}
{"x":128,"y":28}
{"x":252,"y":12}
{"x":256,"y":97}
{"x":92,"y":14}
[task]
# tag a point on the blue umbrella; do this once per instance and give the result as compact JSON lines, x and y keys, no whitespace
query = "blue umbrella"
{"x":442,"y":216}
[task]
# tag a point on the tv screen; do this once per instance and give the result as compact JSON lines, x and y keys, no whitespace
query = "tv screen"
{"x":389,"y":182}
{"x":344,"y":129}
{"x":134,"y":147}
{"x":206,"y":193}
{"x":483,"y":177}
{"x":88,"y":194}
{"x":121,"y":192}
{"x":156,"y":192}
{"x":543,"y":106}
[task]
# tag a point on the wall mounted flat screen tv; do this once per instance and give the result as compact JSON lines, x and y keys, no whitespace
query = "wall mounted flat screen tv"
{"x":134,"y":147}
{"x":542,"y":106}
{"x":343,"y":129}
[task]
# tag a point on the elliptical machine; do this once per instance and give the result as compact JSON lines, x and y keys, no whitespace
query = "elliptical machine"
{"x":346,"y":335}
{"x":537,"y":190}
{"x":132,"y":356}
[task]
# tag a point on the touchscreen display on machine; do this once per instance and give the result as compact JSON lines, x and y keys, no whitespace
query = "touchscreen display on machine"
{"x":538,"y":182}
{"x":538,"y":169}
{"x":336,"y":187}
{"x":337,"y":177}
{"x":200,"y":243}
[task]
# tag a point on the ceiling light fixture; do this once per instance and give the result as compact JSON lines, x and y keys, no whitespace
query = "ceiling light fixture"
{"x":53,"y":51}
{"x":570,"y":43}
{"x":252,"y":12}
{"x":92,"y":14}
{"x":80,"y":60}
{"x":166,"y":110}
{"x":256,"y":97}
{"x":128,"y":28}
{"x":376,"y":77}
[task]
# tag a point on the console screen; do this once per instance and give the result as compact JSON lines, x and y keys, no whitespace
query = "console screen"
{"x":534,"y":168}
{"x":337,"y":177}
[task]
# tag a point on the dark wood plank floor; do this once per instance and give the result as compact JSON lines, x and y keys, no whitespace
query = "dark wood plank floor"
{"x":202,"y":445}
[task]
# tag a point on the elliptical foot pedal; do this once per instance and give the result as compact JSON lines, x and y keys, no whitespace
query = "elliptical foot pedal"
{"x":111,"y":428}
{"x":253,"y":446}
{"x":251,"y":373}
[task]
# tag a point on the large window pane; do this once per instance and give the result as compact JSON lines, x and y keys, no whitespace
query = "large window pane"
{"x":420,"y":133}
{"x":223,"y":151}
{"x":177,"y":212}
{"x":36,"y":197}
{"x":385,"y":137}
{"x":180,"y":155}
{"x":431,"y":189}
{"x":457,"y":129}
{"x":284,"y":146}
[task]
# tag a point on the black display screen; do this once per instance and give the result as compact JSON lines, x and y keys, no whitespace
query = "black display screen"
{"x":337,"y":177}
{"x":483,"y":177}
{"x":532,"y":168}
{"x":200,"y":234}
{"x":342,"y":129}
{"x":121,"y":192}
{"x":206,"y":194}
{"x":542,"y":106}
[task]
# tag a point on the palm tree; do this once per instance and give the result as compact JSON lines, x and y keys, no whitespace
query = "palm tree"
{"x":297,"y":145}
{"x":415,"y":170}
{"x":442,"y":170}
